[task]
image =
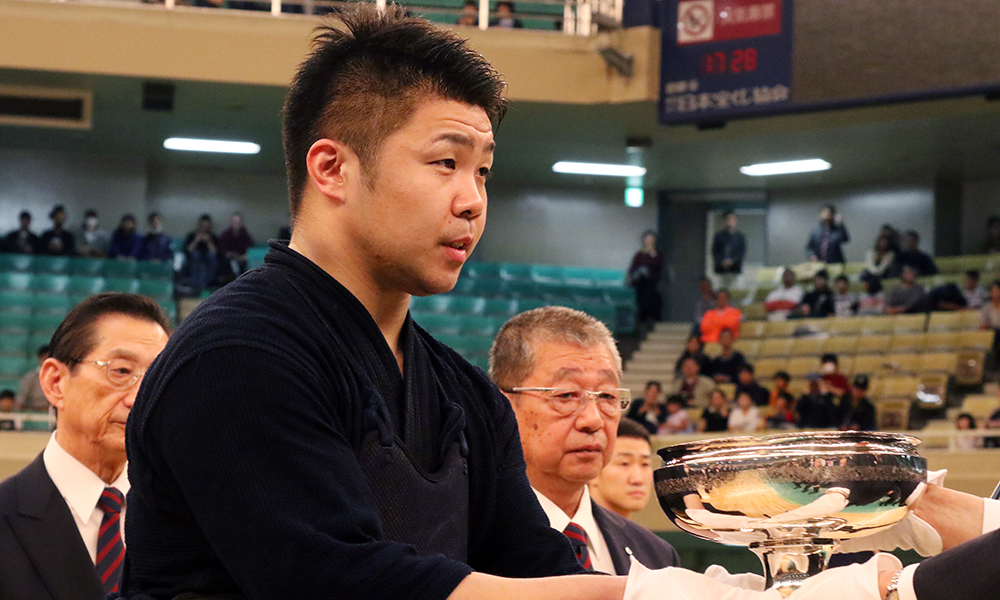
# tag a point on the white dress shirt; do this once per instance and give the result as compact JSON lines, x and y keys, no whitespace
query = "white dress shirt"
{"x":600,"y":558}
{"x":81,"y":489}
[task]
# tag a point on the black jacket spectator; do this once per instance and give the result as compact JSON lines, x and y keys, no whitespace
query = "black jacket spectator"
{"x":820,"y":302}
{"x":758,"y":393}
{"x":730,"y":245}
{"x":729,"y":365}
{"x":22,"y":240}
{"x":825,"y":243}
{"x":859,"y":416}
{"x":817,"y":411}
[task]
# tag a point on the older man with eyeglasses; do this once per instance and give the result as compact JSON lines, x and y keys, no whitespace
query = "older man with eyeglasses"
{"x":561,"y":370}
{"x":62,"y":516}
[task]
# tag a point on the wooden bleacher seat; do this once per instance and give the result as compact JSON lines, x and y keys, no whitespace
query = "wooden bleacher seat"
{"x":842,"y":345}
{"x":909,"y":363}
{"x":969,"y":367}
{"x":870,"y":344}
{"x":969,"y":319}
{"x":714,"y":349}
{"x":904,"y":386}
{"x":807,"y":346}
{"x":846,"y":364}
{"x":845,"y":326}
{"x":750,"y":348}
{"x":909,"y":323}
{"x":802,"y":366}
{"x":943,"y":362}
{"x":873,"y":325}
{"x":765,"y":368}
{"x":870,"y":364}
{"x":981,"y":339}
{"x":769,"y":274}
{"x":941,"y":340}
{"x":778,"y":329}
{"x":752,"y":329}
{"x":892,"y":415}
{"x":772,"y":347}
{"x":907,"y":342}
{"x":729,"y":389}
{"x":980,"y":406}
{"x":754,"y":311}
{"x":944,"y":321}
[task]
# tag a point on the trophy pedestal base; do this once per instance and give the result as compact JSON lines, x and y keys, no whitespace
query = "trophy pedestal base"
{"x":787,"y":563}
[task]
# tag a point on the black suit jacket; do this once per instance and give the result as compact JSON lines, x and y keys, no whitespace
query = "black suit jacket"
{"x":620,"y":533}
{"x":42,"y":556}
{"x":962,"y":573}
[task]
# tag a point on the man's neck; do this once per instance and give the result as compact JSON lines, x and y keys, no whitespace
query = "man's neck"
{"x":105,"y":464}
{"x":387,"y":308}
{"x":564,"y":494}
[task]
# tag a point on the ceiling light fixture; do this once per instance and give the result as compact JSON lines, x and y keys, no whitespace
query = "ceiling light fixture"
{"x":784,"y":168}
{"x":578,"y":168}
{"x":195,"y":145}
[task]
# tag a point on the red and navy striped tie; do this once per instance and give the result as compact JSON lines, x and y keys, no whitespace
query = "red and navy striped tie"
{"x":110,"y":548}
{"x":578,"y":539}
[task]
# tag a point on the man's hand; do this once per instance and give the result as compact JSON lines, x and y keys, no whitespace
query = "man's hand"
{"x":854,"y":582}
{"x":957,"y":517}
{"x":680,"y":584}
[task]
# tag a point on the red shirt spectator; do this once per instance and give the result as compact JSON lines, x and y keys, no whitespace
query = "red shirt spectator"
{"x":721,"y":317}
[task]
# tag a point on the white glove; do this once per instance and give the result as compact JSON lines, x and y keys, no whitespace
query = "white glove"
{"x":747,"y":581}
{"x":853,"y":582}
{"x":680,"y":584}
{"x":912,"y":533}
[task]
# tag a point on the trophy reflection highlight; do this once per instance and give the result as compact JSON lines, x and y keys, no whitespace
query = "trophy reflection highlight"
{"x":790,"y":497}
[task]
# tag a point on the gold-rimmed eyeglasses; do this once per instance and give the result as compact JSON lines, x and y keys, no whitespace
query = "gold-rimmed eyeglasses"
{"x":570,"y":401}
{"x":121,"y":372}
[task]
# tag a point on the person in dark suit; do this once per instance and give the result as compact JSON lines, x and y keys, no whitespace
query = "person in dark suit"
{"x":827,"y":239}
{"x":550,"y":362}
{"x":729,"y":248}
{"x":61,"y":516}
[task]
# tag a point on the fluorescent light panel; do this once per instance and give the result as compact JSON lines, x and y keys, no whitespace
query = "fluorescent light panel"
{"x":578,"y":168}
{"x":195,"y":145}
{"x":634,"y":197}
{"x":784,"y":168}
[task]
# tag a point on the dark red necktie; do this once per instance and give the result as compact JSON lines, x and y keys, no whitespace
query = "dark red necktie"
{"x":110,"y":548}
{"x":578,"y":538}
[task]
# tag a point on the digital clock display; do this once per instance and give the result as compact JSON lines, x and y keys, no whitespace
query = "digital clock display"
{"x":743,"y":60}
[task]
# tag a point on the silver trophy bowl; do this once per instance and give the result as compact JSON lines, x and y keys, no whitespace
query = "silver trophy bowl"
{"x":792,"y":498}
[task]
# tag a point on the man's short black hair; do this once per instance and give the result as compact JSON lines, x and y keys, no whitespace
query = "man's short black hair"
{"x":747,"y":367}
{"x":629,"y":428}
{"x":913,"y":233}
{"x":823,"y":273}
{"x":829,"y":357}
{"x":364,"y":81}
{"x":10,"y":394}
{"x":658,"y":385}
{"x":58,"y":208}
{"x":676,"y":399}
{"x":972,"y":274}
{"x":842,"y":278}
{"x":43,"y":350}
{"x":205,"y":217}
{"x":24,"y":215}
{"x":74,"y":338}
{"x":783,"y":375}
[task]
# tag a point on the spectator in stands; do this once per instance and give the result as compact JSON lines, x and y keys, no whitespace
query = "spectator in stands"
{"x":975,"y":296}
{"x":784,"y":416}
{"x":845,"y":302}
{"x":966,"y":422}
{"x":201,"y":255}
{"x":781,"y":382}
{"x":694,"y":388}
{"x":505,"y":16}
{"x":830,"y":369}
{"x":827,"y":239}
{"x":22,"y":240}
{"x":723,"y":316}
{"x":911,"y":256}
{"x":470,"y":14}
{"x":626,"y":484}
{"x":644,"y":275}
{"x":30,"y":396}
{"x":696,"y":350}
{"x":567,"y":444}
{"x":780,"y":303}
{"x":818,"y":302}
{"x":57,"y":241}
{"x":93,"y":240}
{"x":7,"y":406}
{"x":946,"y":297}
{"x":908,"y":297}
{"x":70,"y":498}
{"x":727,"y":365}
{"x":748,"y":385}
{"x":745,"y":418}
{"x":715,"y":416}
{"x":233,"y":245}
{"x":126,"y":242}
{"x":156,"y":245}
{"x":992,"y":245}
{"x":892,"y":235}
{"x":880,"y":260}
{"x":817,"y":408}
{"x":705,"y":303}
{"x":872,"y":300}
{"x":857,"y":413}
{"x":729,"y":248}
{"x":647,"y":410}
{"x":991,"y":318}
{"x":677,"y":420}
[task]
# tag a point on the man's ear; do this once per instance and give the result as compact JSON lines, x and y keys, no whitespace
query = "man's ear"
{"x":332,"y":168}
{"x":54,"y":376}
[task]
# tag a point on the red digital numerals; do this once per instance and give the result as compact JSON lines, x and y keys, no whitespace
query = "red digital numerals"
{"x":738,"y":61}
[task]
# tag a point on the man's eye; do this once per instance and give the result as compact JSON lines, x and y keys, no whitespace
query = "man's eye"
{"x":448,"y":163}
{"x":123,"y":371}
{"x":565,"y":394}
{"x":484,"y":172}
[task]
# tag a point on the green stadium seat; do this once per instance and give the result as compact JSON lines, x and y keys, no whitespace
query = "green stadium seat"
{"x":150,"y":269}
{"x":121,"y":284}
{"x":483,"y":362}
{"x":515,"y":272}
{"x":55,"y":265}
{"x":481,"y":270}
{"x":119,"y":268}
{"x":12,"y":367}
{"x":33,"y":425}
{"x":15,"y":301}
{"x":156,"y":288}
{"x":255,"y":256}
{"x":450,"y":339}
{"x":489,"y":288}
{"x":20,"y":282}
{"x":37,"y":339}
{"x":500,"y":307}
{"x":525,"y":304}
{"x":477,"y":325}
{"x":523,"y":289}
{"x":83,"y":285}
{"x":431,"y":304}
{"x":15,"y":323}
{"x":589,"y":295}
{"x":621,"y":296}
{"x":471,"y":305}
{"x":8,"y":382}
{"x":46,"y":323}
{"x":51,"y":305}
{"x":438,"y":324}
{"x":547,"y":274}
{"x":16,"y":262}
{"x":88,"y":267}
{"x":49,"y":284}
{"x":14,"y":344}
{"x":609,"y":278}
